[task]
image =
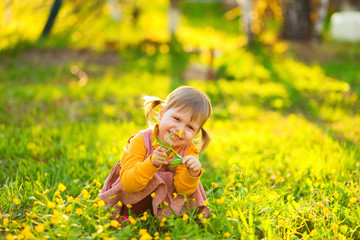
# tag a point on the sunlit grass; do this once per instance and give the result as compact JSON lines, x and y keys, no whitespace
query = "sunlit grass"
{"x":283,"y":164}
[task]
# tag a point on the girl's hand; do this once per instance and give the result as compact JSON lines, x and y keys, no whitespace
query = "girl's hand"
{"x":193,"y":165}
{"x":159,"y":157}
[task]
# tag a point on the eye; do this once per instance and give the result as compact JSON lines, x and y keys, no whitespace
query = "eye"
{"x":176,"y":119}
{"x":191,"y":128}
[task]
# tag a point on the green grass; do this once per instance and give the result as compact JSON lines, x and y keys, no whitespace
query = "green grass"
{"x":284,"y":161}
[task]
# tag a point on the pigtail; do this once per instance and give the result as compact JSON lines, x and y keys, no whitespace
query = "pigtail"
{"x":205,"y":139}
{"x":149,"y":104}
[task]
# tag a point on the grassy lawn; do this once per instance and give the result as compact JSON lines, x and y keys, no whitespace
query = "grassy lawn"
{"x":284,"y":161}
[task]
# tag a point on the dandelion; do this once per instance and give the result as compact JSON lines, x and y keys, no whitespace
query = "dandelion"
{"x":16,"y":201}
{"x":313,"y":232}
{"x":119,"y":204}
{"x":180,"y":133}
{"x":206,"y":202}
{"x":204,"y":220}
{"x":40,"y":228}
{"x":114,"y":223}
{"x":143,"y":231}
{"x":50,"y":204}
{"x":61,"y":187}
{"x":220,"y":201}
{"x":70,"y":199}
{"x":153,"y":195}
{"x":175,"y":195}
{"x":101,"y":203}
{"x":0,"y":215}
{"x":334,"y":227}
{"x":10,"y":237}
{"x":281,"y":179}
{"x":228,"y":213}
{"x":336,"y":195}
{"x":78,"y":211}
{"x":185,"y":217}
{"x":6,"y":221}
{"x":201,"y":216}
{"x":352,"y":200}
{"x":129,"y":206}
{"x":167,"y":238}
{"x":213,"y":216}
{"x":227,"y":234}
{"x":326,"y":211}
{"x":166,"y":203}
{"x":85,"y":194}
{"x":132,"y":220}
{"x":26,"y":232}
{"x":215,"y":185}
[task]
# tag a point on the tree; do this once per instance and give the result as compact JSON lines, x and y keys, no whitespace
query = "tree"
{"x":297,"y":24}
{"x":50,"y":22}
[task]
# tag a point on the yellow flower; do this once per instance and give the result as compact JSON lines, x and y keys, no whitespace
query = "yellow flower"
{"x":153,"y":195}
{"x":175,"y":195}
{"x":352,"y":200}
{"x":57,"y":193}
{"x":16,"y":201}
{"x":101,"y":203}
{"x":40,"y":228}
{"x":114,"y":223}
{"x":227,"y":234}
{"x":167,"y":238}
{"x":180,"y":133}
{"x":336,"y":195}
{"x":6,"y":221}
{"x":129,"y":206}
{"x":78,"y":211}
{"x":119,"y":204}
{"x":281,"y":179}
{"x":146,"y":236}
{"x":204,"y":220}
{"x":220,"y":201}
{"x":10,"y":237}
{"x":326,"y":211}
{"x":50,"y":204}
{"x":334,"y":227}
{"x":206,"y":202}
{"x":20,"y":236}
{"x":132,"y":220}
{"x":156,"y":234}
{"x":70,"y":199}
{"x":61,"y":187}
{"x":313,"y":232}
{"x":185,"y":217}
{"x":201,"y":216}
{"x":143,"y":231}
{"x":215,"y":184}
{"x":166,"y":203}
{"x":1,"y":215}
{"x":228,"y":213}
{"x":213,"y":216}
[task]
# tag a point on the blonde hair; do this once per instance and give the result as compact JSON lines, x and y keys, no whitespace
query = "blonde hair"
{"x":183,"y":98}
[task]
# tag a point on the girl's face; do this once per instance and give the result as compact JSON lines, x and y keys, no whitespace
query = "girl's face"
{"x":172,"y":121}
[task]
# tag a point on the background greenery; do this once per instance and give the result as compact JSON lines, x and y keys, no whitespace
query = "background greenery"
{"x":284,"y":161}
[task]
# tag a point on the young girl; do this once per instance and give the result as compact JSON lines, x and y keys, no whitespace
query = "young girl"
{"x":143,"y":178}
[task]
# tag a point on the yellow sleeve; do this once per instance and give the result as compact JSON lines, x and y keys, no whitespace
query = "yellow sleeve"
{"x":183,"y":181}
{"x":136,"y":171}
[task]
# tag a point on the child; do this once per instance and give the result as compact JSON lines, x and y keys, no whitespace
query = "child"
{"x":143,"y":179}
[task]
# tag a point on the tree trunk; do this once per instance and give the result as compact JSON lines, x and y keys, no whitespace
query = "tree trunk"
{"x":50,"y":22}
{"x":296,"y":20}
{"x":319,"y":24}
{"x":246,"y":7}
{"x":173,"y":17}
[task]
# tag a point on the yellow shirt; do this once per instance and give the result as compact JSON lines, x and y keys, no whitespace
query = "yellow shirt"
{"x":136,"y":171}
